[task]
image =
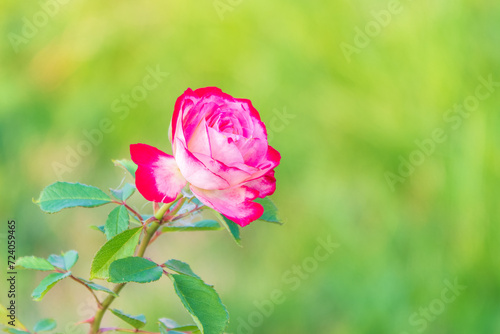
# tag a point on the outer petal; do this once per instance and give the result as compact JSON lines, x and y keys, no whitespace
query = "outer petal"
{"x":157,"y":177}
{"x":271,"y":160}
{"x":234,"y":203}
{"x":264,"y":185}
{"x":249,"y":106}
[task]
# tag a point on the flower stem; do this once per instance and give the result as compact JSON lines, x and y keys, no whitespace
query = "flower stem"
{"x":96,"y":324}
{"x":147,"y":237}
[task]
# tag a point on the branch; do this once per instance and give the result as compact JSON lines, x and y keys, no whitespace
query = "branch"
{"x":187,"y":213}
{"x":96,"y":324}
{"x":76,"y":279}
{"x":134,"y":212}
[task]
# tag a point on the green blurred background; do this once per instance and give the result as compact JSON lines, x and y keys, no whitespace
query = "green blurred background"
{"x":340,"y":124}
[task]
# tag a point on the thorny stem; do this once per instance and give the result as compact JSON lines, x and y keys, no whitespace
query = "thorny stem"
{"x":102,"y":308}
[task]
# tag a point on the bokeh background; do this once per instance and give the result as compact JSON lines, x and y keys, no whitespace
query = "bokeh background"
{"x":341,"y":124}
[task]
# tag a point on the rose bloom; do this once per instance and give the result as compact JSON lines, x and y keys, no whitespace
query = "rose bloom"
{"x":220,"y":148}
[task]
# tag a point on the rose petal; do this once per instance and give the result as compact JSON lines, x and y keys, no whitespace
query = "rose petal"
{"x":157,"y":177}
{"x":188,"y":100}
{"x":270,"y":162}
{"x":272,"y":159}
{"x":195,"y":171}
{"x":199,"y":141}
{"x":233,"y":175}
{"x":264,"y":185}
{"x":193,"y":116}
{"x":223,"y":148}
{"x":253,"y":150}
{"x":235,"y":203}
{"x":247,"y":104}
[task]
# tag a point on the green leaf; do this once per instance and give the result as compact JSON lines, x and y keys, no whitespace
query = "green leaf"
{"x":137,"y":321}
{"x":99,"y":228}
{"x":167,"y":323}
{"x":45,"y":325}
{"x":270,"y":211}
{"x":125,"y":192}
{"x":47,"y":283}
{"x":117,"y":222}
{"x":122,"y":245}
{"x":232,"y":228}
{"x":202,"y":302}
{"x":70,"y":258}
{"x":203,"y":225}
{"x":97,"y":287}
{"x":170,"y":326}
{"x":57,"y":261}
{"x":134,"y":269}
{"x":33,"y":262}
{"x":127,"y":165}
{"x":180,"y":267}
{"x":189,"y":328}
{"x":65,"y":261}
{"x":61,"y":195}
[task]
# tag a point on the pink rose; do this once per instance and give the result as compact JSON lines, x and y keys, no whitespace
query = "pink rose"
{"x":220,"y":148}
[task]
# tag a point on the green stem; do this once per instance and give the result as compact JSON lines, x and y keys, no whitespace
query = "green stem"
{"x":147,"y":237}
{"x":161,"y":212}
{"x":96,"y":323}
{"x":177,"y":207}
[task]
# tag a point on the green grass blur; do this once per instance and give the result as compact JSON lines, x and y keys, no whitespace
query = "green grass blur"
{"x":348,"y":124}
